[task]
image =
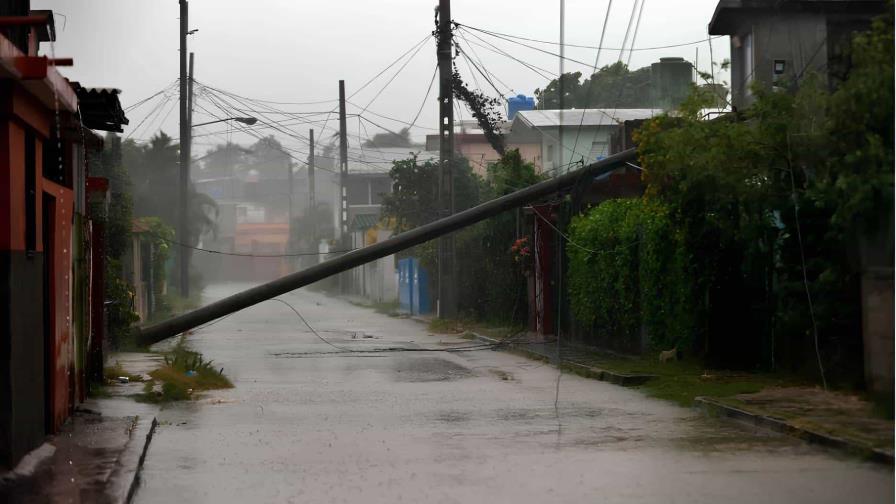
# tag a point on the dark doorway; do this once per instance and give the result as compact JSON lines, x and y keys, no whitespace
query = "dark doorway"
{"x":48,"y":234}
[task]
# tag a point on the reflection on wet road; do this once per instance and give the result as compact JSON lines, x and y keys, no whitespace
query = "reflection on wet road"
{"x":307,"y":425}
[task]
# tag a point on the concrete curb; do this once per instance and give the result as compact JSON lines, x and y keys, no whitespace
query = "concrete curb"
{"x":625,"y":380}
{"x":715,"y":408}
{"x":126,"y":478}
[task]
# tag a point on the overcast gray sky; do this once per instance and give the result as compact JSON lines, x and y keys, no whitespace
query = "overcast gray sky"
{"x":296,"y":51}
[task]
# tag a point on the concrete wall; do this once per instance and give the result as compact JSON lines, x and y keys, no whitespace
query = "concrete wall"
{"x":587,"y":143}
{"x":22,"y":351}
{"x":799,"y":39}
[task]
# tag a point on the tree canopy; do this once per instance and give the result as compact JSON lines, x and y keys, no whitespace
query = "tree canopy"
{"x":612,"y":86}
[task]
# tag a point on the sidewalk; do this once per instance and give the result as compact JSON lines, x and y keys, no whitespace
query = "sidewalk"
{"x":94,"y":459}
{"x":97,"y":455}
{"x":835,"y":419}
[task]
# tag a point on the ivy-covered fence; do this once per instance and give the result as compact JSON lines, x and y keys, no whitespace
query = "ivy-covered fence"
{"x":629,"y":278}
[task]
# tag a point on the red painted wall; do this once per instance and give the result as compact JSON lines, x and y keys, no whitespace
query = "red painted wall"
{"x":63,"y":356}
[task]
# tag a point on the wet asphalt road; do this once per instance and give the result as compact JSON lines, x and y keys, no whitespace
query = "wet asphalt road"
{"x":306,"y":426}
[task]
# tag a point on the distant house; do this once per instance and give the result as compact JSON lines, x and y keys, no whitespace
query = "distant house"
{"x":775,"y":42}
{"x":375,"y":280}
{"x":567,"y":137}
{"x":472,"y":144}
{"x":368,"y":177}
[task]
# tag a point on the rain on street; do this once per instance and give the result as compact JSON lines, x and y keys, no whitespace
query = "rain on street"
{"x":309,"y":423}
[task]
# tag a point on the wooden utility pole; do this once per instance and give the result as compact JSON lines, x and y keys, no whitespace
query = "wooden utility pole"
{"x":446,"y":268}
{"x":183,"y":227}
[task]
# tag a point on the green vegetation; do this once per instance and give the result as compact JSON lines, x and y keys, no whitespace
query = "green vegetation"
{"x":113,"y":372}
{"x":184,"y":374}
{"x":736,"y":211}
{"x":466,"y":328}
{"x":490,"y":280}
{"x":634,"y":272}
{"x":682,"y":381}
{"x":116,"y":220}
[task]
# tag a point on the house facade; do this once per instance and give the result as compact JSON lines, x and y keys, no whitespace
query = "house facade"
{"x":776,"y":43}
{"x":566,"y":138}
{"x":48,"y":248}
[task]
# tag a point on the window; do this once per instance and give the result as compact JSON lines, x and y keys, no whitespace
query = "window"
{"x":549,"y":157}
{"x":747,"y":62}
{"x":598,"y":150}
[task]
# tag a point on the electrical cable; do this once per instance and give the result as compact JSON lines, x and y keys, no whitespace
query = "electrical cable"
{"x":603,"y":33}
{"x":541,"y":72}
{"x":670,"y":46}
{"x":397,"y":72}
{"x":426,"y":96}
{"x":481,"y":63}
{"x":239,"y":254}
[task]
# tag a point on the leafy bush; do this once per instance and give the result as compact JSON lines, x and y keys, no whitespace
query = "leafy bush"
{"x":627,"y":269}
{"x":767,"y":200}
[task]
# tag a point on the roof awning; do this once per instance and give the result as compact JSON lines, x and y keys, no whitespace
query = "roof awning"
{"x":363,"y":222}
{"x":100,"y":108}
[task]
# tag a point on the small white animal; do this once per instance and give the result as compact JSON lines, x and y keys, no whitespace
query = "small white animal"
{"x":668,"y":355}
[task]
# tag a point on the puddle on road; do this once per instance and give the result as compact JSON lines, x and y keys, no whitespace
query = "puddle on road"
{"x":428,"y":369}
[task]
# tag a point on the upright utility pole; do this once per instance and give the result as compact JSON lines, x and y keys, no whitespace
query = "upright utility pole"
{"x":343,"y":181}
{"x":289,"y":211}
{"x":183,"y":229}
{"x":312,"y":203}
{"x":447,"y":291}
{"x":343,"y":165}
{"x":190,"y":99}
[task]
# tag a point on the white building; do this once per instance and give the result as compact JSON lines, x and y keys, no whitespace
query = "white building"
{"x":585,"y":133}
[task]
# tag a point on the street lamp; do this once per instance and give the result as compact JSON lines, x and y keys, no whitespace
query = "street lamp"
{"x":249,"y":121}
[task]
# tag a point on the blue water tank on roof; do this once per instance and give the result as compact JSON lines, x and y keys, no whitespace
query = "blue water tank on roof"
{"x":517,"y":103}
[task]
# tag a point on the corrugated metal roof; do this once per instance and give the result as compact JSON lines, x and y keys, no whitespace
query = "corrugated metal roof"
{"x":100,"y":108}
{"x":584,"y":117}
{"x":363,"y":222}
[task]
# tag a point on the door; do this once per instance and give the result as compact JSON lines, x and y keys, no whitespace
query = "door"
{"x":48,"y":233}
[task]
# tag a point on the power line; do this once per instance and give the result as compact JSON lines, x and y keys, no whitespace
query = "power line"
{"x":390,"y":65}
{"x":541,"y":72}
{"x":238,"y":254}
{"x":603,"y":33}
{"x":550,"y":42}
{"x":386,"y":85}
{"x":165,"y":99}
{"x":426,"y":96}
{"x":481,"y":63}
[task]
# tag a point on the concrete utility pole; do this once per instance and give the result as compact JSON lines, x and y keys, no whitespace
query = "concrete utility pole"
{"x":343,"y":181}
{"x":183,"y":228}
{"x":343,"y":163}
{"x":312,"y":203}
{"x":289,"y":211}
{"x":190,"y":100}
{"x":403,"y":241}
{"x":447,"y":285}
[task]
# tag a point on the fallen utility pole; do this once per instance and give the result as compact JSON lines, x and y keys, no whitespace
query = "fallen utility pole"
{"x":416,"y":236}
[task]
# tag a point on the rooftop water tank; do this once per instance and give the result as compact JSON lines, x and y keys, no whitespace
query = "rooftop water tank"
{"x":670,"y":81}
{"x":517,"y":103}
